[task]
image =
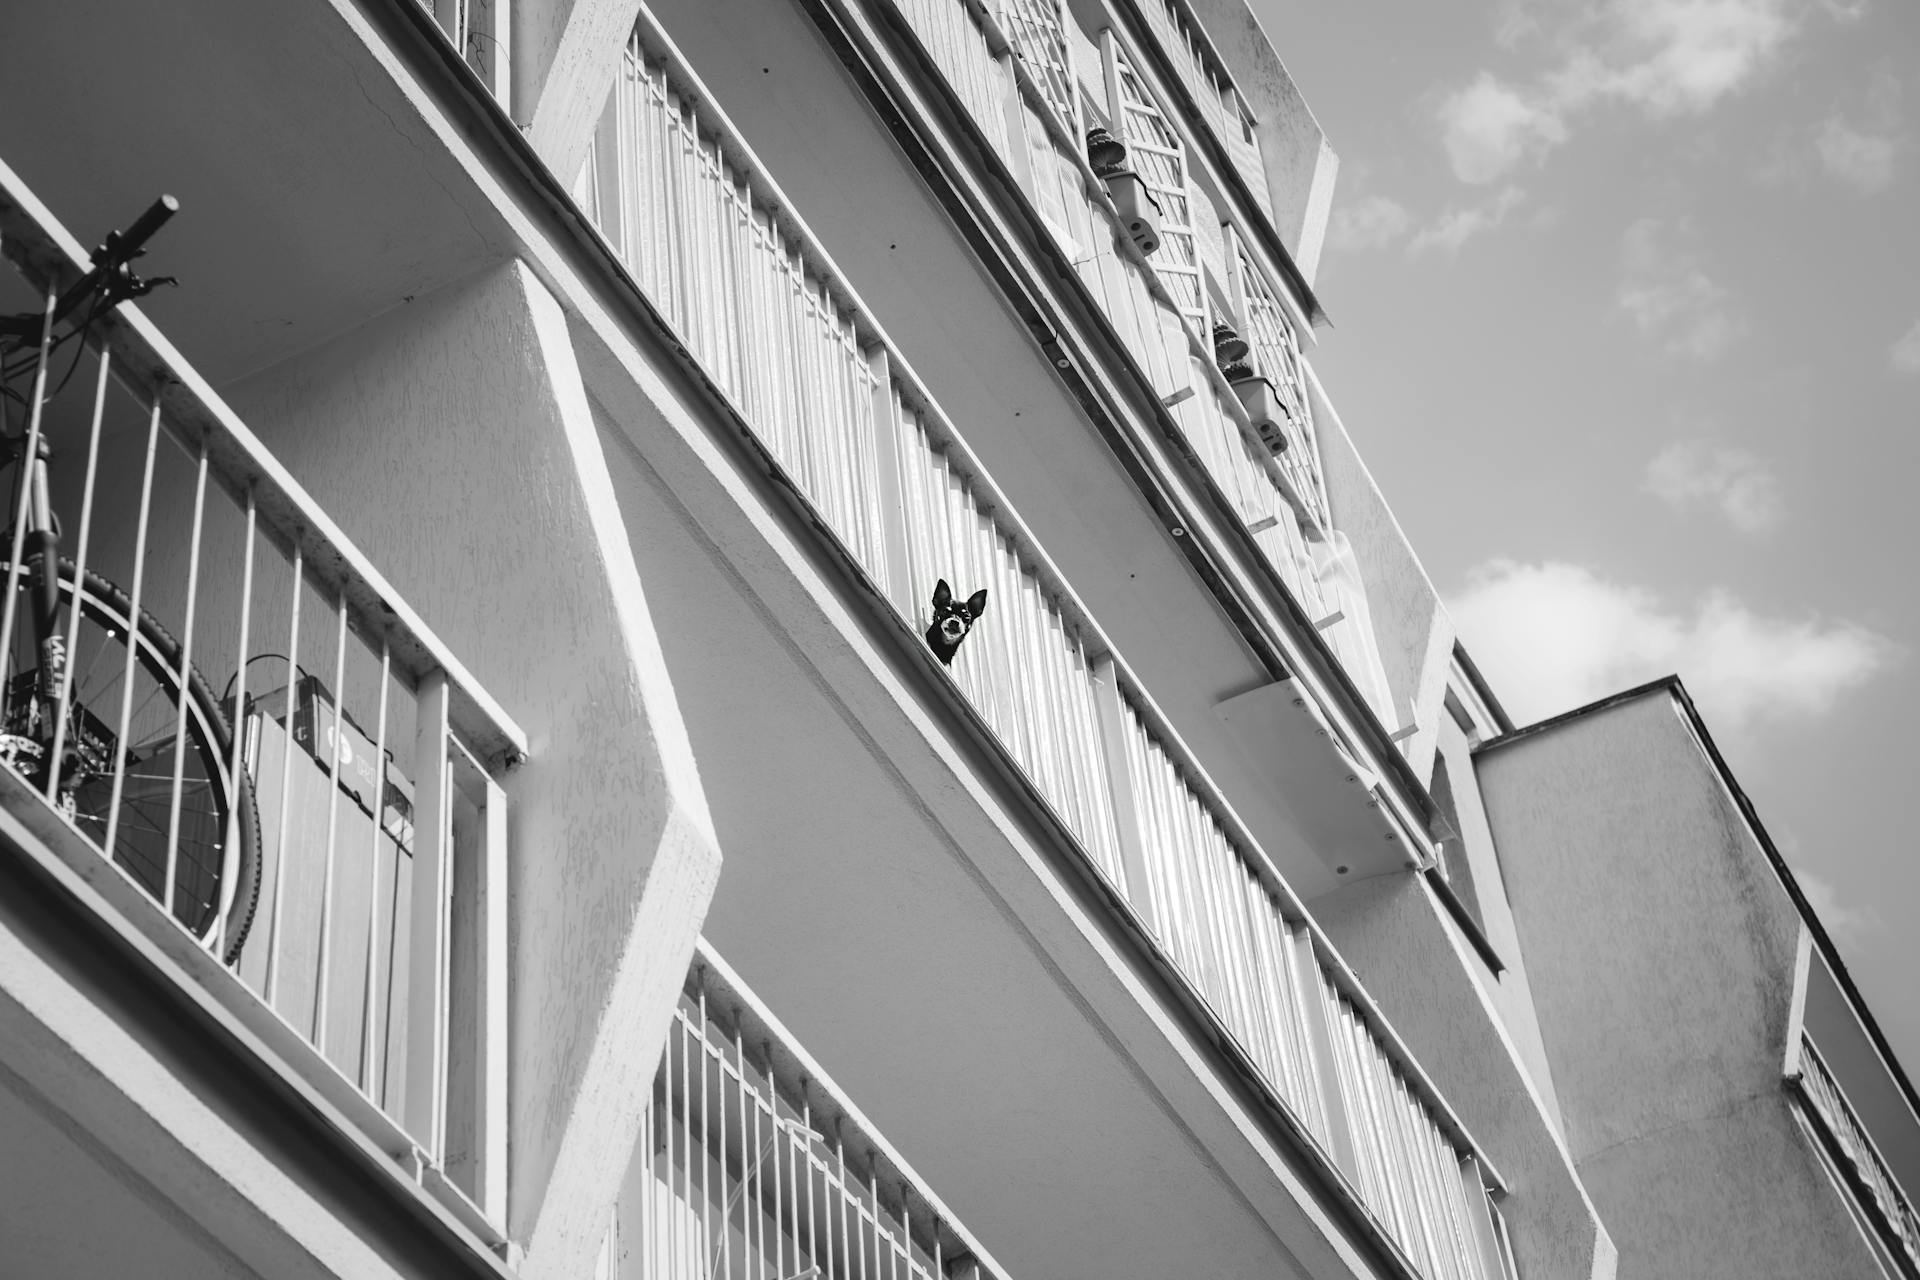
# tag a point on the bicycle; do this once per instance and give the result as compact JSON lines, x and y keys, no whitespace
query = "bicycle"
{"x":131,"y":762}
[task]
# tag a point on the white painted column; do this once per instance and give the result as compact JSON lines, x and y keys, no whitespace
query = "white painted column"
{"x":566,"y":55}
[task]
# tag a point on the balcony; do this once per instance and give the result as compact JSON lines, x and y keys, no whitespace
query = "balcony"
{"x":1857,"y":1104}
{"x":1864,"y":1170}
{"x":256,"y":762}
{"x":887,"y":484}
{"x":751,"y":1162}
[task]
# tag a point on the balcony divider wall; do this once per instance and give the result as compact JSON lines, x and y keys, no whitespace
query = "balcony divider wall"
{"x":709,"y":240}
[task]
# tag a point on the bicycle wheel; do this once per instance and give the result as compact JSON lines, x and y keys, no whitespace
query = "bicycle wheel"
{"x":216,"y":866}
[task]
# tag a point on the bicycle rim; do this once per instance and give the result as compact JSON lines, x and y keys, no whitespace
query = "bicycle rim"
{"x":130,"y":712}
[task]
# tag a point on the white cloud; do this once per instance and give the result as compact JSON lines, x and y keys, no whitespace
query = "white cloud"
{"x":1860,"y":145}
{"x":1457,"y":226}
{"x":1488,"y":128}
{"x":1660,"y":57}
{"x":1731,"y":481}
{"x":1848,"y":925}
{"x":1905,"y":354}
{"x":1673,"y":56}
{"x":1371,"y":222}
{"x":1860,"y":158}
{"x":1671,"y":299}
{"x":1553,"y":636}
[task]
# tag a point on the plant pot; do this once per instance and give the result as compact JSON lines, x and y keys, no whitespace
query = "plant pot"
{"x":1139,"y":213}
{"x":1105,"y":152}
{"x":1229,"y":348}
{"x":1262,"y":403}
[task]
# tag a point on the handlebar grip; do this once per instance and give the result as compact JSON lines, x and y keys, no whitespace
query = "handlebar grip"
{"x":145,"y":225}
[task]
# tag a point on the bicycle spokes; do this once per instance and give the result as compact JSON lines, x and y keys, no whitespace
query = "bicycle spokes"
{"x":126,"y":773}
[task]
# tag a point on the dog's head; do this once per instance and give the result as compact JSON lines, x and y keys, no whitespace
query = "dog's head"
{"x":952,"y":620}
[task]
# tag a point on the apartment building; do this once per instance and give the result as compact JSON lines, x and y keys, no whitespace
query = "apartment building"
{"x":491,"y":793}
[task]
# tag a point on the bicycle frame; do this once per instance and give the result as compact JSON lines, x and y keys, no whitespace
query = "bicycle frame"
{"x":40,"y":556}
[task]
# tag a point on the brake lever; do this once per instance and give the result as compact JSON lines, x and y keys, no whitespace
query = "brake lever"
{"x":139,"y":288}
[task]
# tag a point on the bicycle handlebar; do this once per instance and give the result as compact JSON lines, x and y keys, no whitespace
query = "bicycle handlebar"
{"x":121,"y":248}
{"x":136,"y":236}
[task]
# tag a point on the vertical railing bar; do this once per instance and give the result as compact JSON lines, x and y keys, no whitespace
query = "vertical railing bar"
{"x":64,"y":699}
{"x":321,"y":982}
{"x":443,"y":938}
{"x":722,"y":1258}
{"x":184,"y":683}
{"x":747,"y":1148}
{"x":649,"y":1238}
{"x":813,"y":1219}
{"x":133,"y":613}
{"x":432,"y":870}
{"x":706,"y":1190}
{"x":30,"y":453}
{"x":373,"y":879}
{"x":784,"y":1145}
{"x":282,"y":844}
{"x":238,"y":727}
{"x":685,"y":1219}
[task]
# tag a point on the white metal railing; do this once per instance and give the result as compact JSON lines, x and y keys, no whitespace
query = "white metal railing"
{"x":751,"y":1166}
{"x":1038,"y":31}
{"x":1276,"y":356}
{"x":481,"y":31}
{"x":725,"y":270}
{"x":323,"y":819}
{"x":970,"y":50}
{"x":1155,"y":151}
{"x":1028,"y":671}
{"x":708,"y":239}
{"x":1885,"y":1198}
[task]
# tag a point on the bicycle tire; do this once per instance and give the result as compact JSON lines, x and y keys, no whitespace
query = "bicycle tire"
{"x":199,"y":887}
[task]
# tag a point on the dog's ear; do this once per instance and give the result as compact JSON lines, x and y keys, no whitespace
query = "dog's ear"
{"x":977,"y":603}
{"x":942,"y":594}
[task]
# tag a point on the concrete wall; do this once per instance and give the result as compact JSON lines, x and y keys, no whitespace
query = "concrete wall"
{"x":452,"y":439}
{"x":1661,"y":948}
{"x":1301,"y":165}
{"x":1509,"y":990}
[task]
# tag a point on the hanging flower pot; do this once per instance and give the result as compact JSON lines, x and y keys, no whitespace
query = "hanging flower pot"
{"x":1262,"y":403}
{"x":1105,"y":152}
{"x":1229,"y":348}
{"x":1139,"y":212}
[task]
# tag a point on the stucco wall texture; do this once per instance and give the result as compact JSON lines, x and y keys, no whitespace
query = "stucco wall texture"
{"x":1660,"y":946}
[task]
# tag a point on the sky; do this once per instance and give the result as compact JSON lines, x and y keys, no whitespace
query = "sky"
{"x":1625,"y":301}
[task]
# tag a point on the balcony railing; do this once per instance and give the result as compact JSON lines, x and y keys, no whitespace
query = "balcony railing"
{"x":751,"y":1164}
{"x":1873,"y":1182}
{"x":316,"y":833}
{"x":1163,"y":309}
{"x":749,"y":293}
{"x":481,"y":32}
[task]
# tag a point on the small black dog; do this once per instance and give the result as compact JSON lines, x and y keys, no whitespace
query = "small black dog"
{"x":951,"y":621}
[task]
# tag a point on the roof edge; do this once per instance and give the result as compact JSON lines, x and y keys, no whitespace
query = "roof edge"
{"x":1829,"y":951}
